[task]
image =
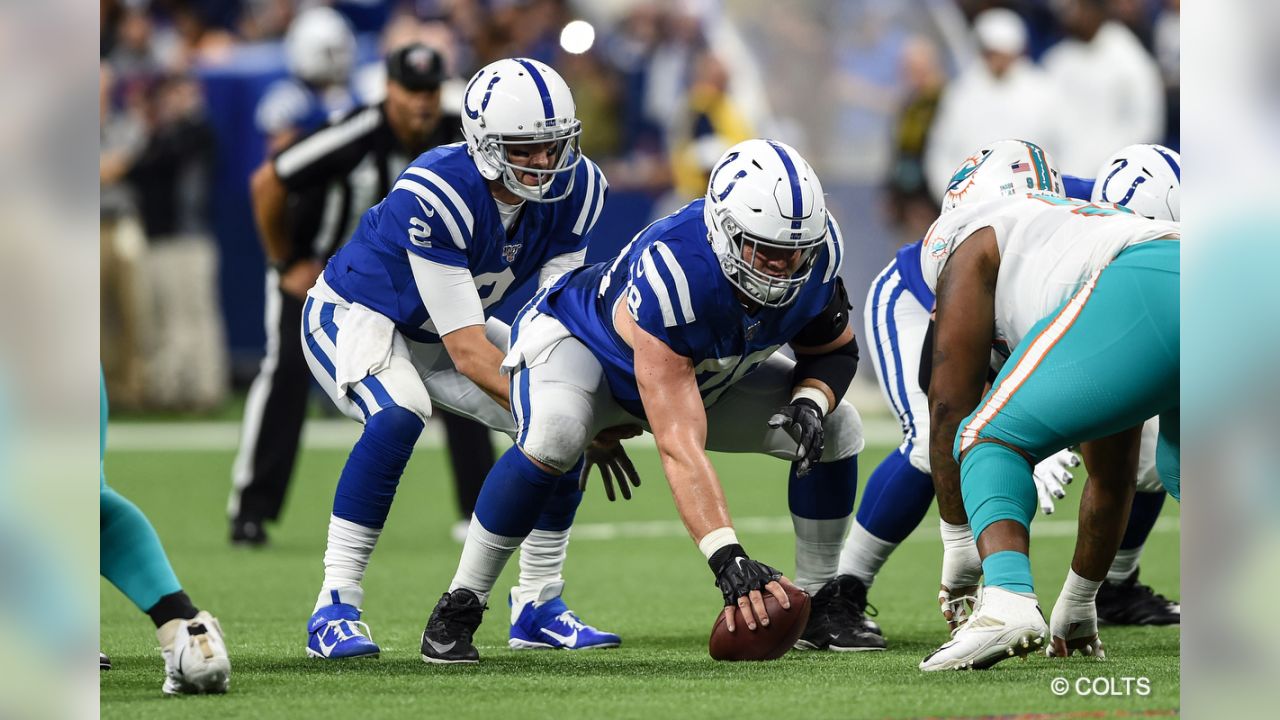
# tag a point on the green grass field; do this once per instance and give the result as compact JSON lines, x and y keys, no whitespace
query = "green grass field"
{"x":641,"y":577}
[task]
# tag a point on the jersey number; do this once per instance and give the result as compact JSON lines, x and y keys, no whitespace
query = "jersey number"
{"x":728,"y":370}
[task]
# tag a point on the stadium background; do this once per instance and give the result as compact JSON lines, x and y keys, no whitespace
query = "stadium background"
{"x":662,"y":87}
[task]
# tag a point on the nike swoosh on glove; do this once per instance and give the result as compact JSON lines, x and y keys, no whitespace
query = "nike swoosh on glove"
{"x":802,"y":420}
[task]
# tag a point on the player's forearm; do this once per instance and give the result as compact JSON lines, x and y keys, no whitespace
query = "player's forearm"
{"x":944,"y":423}
{"x":694,"y":486}
{"x":479,"y":360}
{"x":269,"y":196}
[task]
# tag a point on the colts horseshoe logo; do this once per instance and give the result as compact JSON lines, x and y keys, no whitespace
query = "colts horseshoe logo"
{"x":484,"y":103}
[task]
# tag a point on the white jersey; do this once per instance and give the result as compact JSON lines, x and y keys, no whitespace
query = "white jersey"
{"x":1049,"y":247}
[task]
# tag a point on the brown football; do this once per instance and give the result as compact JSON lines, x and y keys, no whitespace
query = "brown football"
{"x":765,"y":642}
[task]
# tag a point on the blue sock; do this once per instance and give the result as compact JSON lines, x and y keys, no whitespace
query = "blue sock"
{"x":130,"y":553}
{"x":1010,"y":570}
{"x":1142,"y":518}
{"x":896,"y":498}
{"x":996,"y":484}
{"x":563,"y":504}
{"x":827,"y":492}
{"x":369,"y":479}
{"x":515,"y":494}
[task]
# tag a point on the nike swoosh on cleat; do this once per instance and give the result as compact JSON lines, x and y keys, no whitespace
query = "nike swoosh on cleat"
{"x":570,"y":640}
{"x":326,"y":648}
{"x":442,"y":649}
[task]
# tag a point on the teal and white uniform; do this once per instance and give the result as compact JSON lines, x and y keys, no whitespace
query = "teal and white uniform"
{"x":1086,"y":309}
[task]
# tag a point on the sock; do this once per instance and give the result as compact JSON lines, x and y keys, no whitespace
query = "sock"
{"x":542,"y":554}
{"x":542,"y":557}
{"x":511,"y":502}
{"x":484,"y":554}
{"x":130,"y":554}
{"x":864,"y":554}
{"x":896,"y":498}
{"x":174,"y":606}
{"x":345,"y":558}
{"x":1142,"y":518}
{"x":1010,"y":570}
{"x":1125,"y":564}
{"x":821,"y":505}
{"x":996,"y":484}
{"x":369,"y":479}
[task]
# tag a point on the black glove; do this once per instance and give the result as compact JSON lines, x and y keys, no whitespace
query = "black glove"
{"x":802,"y":420}
{"x":737,"y":575}
{"x":612,"y":460}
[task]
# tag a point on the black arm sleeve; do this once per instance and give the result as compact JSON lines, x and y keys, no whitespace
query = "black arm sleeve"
{"x":926,"y":359}
{"x":834,"y":369}
{"x":828,"y":324}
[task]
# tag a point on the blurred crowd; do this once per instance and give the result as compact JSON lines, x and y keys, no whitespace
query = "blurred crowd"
{"x":886,"y":95}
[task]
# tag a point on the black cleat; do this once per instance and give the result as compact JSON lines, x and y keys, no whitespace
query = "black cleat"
{"x":1131,"y":603}
{"x":447,"y":637}
{"x":248,"y":532}
{"x":838,"y":619}
{"x":104,"y":662}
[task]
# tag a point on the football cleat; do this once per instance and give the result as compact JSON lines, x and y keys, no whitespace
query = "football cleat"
{"x":1129,"y":602}
{"x":838,"y":619}
{"x":453,"y":623}
{"x":104,"y":662}
{"x":1004,"y":624}
{"x":195,"y":656}
{"x":548,"y":624}
{"x":335,"y":632}
{"x":248,"y":532}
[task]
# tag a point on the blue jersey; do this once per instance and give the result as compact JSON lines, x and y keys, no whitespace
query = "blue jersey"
{"x":441,"y":209}
{"x":671,"y":282}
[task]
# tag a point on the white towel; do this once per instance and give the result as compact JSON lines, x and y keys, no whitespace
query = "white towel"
{"x":539,"y":335}
{"x":364,"y":345}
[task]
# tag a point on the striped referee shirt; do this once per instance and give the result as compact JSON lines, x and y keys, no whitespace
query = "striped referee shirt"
{"x":337,"y":172}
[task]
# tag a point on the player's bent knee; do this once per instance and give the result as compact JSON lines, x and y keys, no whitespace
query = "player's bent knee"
{"x":842,"y":433}
{"x":544,"y":467}
{"x":554,"y":441}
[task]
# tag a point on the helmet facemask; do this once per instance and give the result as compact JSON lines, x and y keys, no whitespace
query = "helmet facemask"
{"x":761,"y":287}
{"x":496,"y":148}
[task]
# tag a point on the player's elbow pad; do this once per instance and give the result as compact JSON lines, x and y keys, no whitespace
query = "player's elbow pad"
{"x":834,"y":369}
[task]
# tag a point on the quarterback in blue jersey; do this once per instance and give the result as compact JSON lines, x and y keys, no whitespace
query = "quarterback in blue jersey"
{"x":900,"y":490}
{"x":400,"y":319}
{"x":680,"y":334}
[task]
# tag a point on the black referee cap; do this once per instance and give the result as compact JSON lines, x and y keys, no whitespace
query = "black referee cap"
{"x":416,"y":67}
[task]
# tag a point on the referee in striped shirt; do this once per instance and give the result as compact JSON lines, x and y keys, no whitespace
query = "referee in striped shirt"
{"x":307,"y":201}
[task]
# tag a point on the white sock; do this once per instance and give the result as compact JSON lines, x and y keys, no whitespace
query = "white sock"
{"x":484,"y":554}
{"x":345,"y":558}
{"x":1125,"y":563}
{"x":864,"y":554}
{"x":541,"y":560}
{"x":817,"y":550}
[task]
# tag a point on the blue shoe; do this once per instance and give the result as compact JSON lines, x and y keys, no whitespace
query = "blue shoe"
{"x":548,"y":624}
{"x":336,"y":633}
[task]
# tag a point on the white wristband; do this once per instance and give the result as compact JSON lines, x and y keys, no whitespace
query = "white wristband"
{"x":815,"y":395}
{"x":716,"y":539}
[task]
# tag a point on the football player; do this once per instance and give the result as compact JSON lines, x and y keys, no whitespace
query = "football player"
{"x":400,"y":319}
{"x":132,"y":559}
{"x":680,"y":333}
{"x":900,"y":490}
{"x":1085,"y":296}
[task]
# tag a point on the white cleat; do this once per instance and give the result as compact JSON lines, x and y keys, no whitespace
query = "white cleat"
{"x":195,"y":656}
{"x":1004,"y":624}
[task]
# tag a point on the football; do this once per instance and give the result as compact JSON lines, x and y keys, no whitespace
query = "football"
{"x":766,"y":642}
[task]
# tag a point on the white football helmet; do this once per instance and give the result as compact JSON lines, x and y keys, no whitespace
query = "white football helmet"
{"x":1147,"y":179}
{"x":320,"y":47}
{"x":517,"y":102}
{"x":1002,"y":169}
{"x":763,"y":195}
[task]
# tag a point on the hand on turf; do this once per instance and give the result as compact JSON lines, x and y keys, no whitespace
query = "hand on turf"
{"x":957,"y":604}
{"x":802,"y":420}
{"x":1052,"y":475}
{"x":741,"y":581}
{"x":961,"y":571}
{"x":606,"y":452}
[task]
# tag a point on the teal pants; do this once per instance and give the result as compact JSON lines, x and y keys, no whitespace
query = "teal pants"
{"x":1103,"y":362}
{"x":131,"y":556}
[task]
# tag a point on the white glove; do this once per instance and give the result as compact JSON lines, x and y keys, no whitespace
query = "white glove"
{"x":1052,"y":476}
{"x":961,"y":571}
